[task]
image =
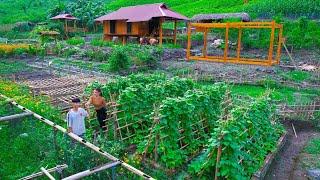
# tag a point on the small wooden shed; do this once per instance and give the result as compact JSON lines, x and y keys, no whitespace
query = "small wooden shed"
{"x":140,"y":21}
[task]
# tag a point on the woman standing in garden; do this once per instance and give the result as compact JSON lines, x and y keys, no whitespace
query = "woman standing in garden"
{"x":99,"y":104}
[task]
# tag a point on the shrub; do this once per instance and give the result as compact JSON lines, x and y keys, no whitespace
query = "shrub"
{"x":119,"y":59}
{"x":146,"y":58}
{"x":96,"y":55}
{"x":19,"y":51}
{"x":76,"y":41}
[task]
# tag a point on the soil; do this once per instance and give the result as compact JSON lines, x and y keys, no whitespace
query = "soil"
{"x":285,"y":165}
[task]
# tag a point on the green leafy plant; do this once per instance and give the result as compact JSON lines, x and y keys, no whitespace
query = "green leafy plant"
{"x":75,"y":41}
{"x":119,"y":59}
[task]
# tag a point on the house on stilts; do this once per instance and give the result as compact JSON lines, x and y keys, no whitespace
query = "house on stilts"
{"x":140,"y":21}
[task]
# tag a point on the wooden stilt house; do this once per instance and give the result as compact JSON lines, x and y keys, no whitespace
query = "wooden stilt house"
{"x":140,"y":21}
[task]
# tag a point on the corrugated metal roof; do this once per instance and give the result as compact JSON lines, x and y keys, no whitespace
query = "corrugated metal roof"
{"x":142,"y":13}
{"x":64,"y":16}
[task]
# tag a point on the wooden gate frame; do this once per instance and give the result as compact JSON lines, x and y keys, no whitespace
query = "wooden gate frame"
{"x":204,"y":27}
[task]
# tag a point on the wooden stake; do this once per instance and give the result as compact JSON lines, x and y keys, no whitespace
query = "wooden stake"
{"x":294,"y":130}
{"x":217,"y":163}
{"x":285,"y":47}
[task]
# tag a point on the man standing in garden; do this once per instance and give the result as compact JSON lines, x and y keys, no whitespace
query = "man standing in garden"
{"x":75,"y":118}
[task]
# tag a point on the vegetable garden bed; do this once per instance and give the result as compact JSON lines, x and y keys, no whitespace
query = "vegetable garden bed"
{"x":261,"y":173}
{"x":169,"y":121}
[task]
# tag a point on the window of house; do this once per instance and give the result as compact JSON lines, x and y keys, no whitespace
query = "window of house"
{"x":112,"y":27}
{"x":129,"y":27}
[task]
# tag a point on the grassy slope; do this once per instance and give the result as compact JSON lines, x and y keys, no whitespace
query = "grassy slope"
{"x":12,"y":11}
{"x":256,"y":8}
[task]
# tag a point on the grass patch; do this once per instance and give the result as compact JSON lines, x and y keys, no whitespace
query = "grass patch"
{"x":309,"y":159}
{"x":313,"y":146}
{"x":76,"y":41}
{"x":296,"y":75}
{"x":285,"y":94}
{"x":8,"y":67}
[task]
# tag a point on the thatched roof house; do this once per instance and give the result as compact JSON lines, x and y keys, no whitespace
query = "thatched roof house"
{"x":208,"y":18}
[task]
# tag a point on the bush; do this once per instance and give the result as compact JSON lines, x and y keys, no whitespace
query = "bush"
{"x":146,"y":58}
{"x":96,"y":55}
{"x":76,"y":41}
{"x":119,"y":59}
{"x":19,"y":51}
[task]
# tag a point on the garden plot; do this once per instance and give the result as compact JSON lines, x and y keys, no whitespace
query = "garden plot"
{"x":167,"y":123}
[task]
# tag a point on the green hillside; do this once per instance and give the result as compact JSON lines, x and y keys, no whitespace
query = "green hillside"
{"x":256,"y":8}
{"x":12,"y":11}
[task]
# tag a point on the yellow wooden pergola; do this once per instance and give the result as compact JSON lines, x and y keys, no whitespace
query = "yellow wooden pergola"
{"x":205,"y":27}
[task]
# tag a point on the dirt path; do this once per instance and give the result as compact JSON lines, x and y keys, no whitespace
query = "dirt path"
{"x":284,"y":166}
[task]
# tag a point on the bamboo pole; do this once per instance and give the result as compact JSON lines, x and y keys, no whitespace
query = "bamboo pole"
{"x":175,"y":33}
{"x":217,"y":163}
{"x":47,"y":173}
{"x":92,"y":171}
{"x":79,"y":139}
{"x":271,"y":43}
{"x":189,"y":42}
{"x":15,"y":116}
{"x":57,"y":168}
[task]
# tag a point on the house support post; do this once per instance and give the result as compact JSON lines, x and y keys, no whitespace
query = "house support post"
{"x":160,"y":31}
{"x":175,"y":33}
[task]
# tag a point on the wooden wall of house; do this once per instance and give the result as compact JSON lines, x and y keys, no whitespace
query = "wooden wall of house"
{"x":143,"y":28}
{"x":106,"y":27}
{"x":121,"y":27}
{"x":137,"y":28}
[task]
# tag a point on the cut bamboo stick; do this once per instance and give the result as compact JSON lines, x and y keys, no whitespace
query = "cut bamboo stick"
{"x":47,"y":173}
{"x":294,"y":130}
{"x":38,"y":174}
{"x":92,"y":171}
{"x":15,"y":116}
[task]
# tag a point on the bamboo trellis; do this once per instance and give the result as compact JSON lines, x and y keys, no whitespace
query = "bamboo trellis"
{"x":78,"y":139}
{"x":205,"y":27}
